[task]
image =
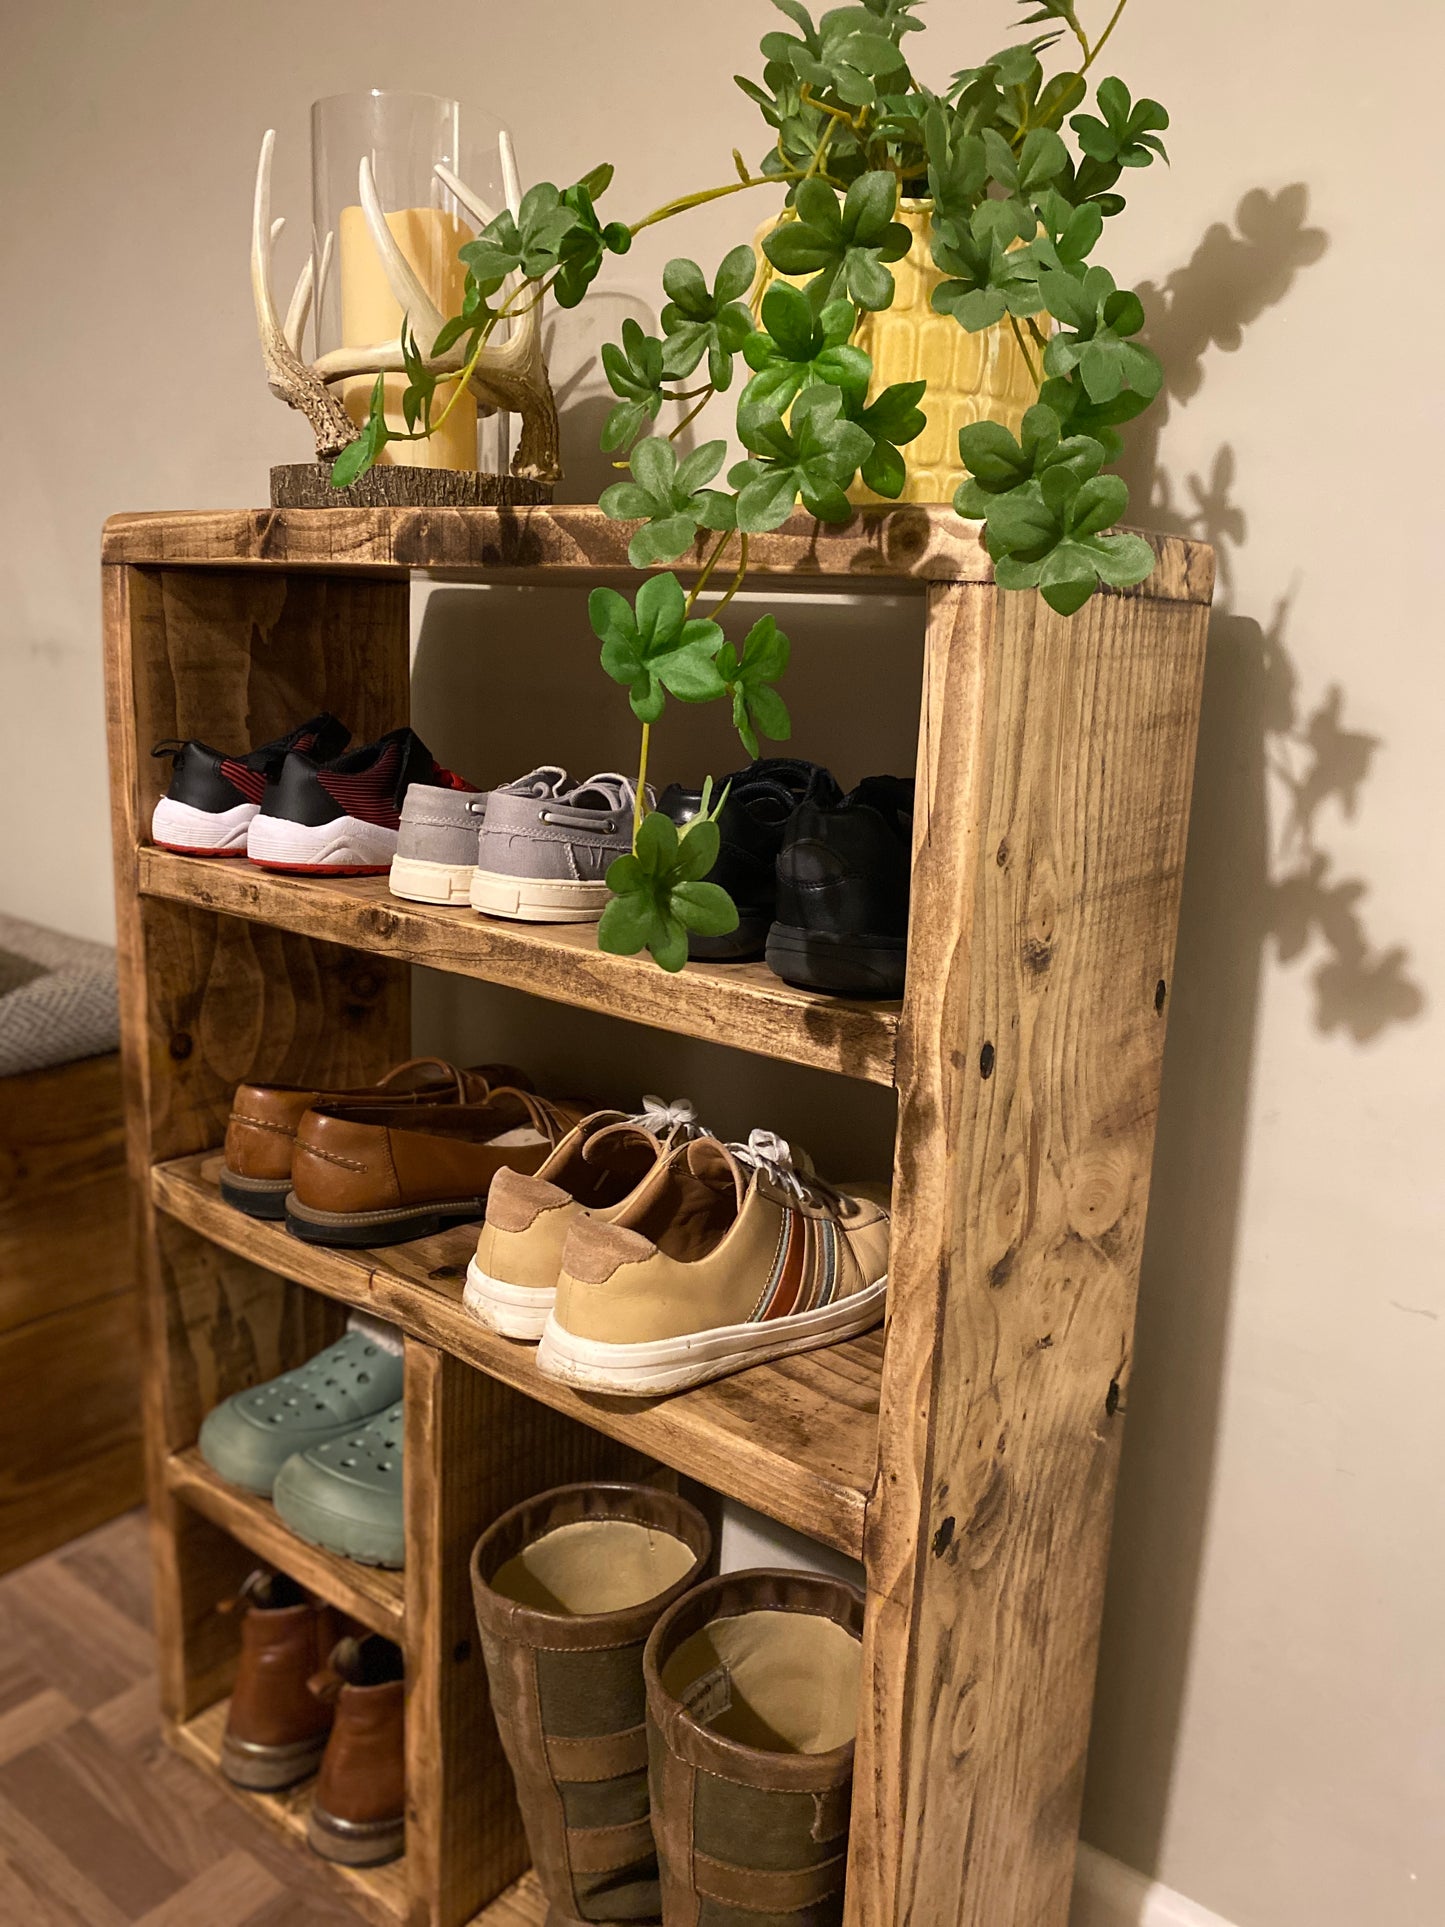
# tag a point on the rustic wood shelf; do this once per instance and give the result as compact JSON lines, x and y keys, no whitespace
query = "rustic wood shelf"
{"x":797,"y":1440}
{"x":376,"y":1598}
{"x":969,"y":1460}
{"x":743,"y":1005}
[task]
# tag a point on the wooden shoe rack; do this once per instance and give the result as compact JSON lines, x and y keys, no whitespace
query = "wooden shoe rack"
{"x":970,"y":1461}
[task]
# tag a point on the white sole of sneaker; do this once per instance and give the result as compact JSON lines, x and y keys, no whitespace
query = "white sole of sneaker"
{"x":418,"y":881}
{"x":537,"y":900}
{"x":181,"y":826}
{"x":672,"y":1364}
{"x":516,"y":1311}
{"x":346,"y":846}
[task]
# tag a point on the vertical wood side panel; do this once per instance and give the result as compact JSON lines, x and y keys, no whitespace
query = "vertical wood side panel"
{"x":235,"y":657}
{"x":1051,"y":864}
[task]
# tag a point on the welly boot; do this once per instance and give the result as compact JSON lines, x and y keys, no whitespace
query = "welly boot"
{"x":568,"y":1586}
{"x":358,"y":1811}
{"x":276,"y":1730}
{"x":752,"y":1697}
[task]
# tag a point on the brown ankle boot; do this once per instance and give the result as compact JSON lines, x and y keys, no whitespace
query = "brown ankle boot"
{"x":567,"y":1587}
{"x":752,"y":1700}
{"x":358,"y":1812}
{"x":276,"y":1730}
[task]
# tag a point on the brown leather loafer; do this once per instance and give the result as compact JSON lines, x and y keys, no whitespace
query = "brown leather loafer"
{"x":358,"y":1811}
{"x":261,"y":1134}
{"x":379,"y":1174}
{"x":276,"y":1730}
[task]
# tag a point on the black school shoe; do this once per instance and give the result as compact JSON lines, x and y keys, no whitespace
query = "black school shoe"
{"x":341,"y":818}
{"x":213,"y":797}
{"x":760,"y":803}
{"x":843,"y":885}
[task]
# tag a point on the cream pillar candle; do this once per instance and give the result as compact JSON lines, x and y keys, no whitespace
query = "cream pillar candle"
{"x":370,"y":313}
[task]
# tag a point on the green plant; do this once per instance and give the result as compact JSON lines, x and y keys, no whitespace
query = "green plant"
{"x":1017,"y":212}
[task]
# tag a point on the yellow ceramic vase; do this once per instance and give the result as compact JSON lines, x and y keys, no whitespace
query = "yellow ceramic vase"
{"x":970,"y":377}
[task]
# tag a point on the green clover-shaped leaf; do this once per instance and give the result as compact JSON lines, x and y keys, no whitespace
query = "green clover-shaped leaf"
{"x":634,"y":371}
{"x":358,"y":456}
{"x":528,"y":243}
{"x":816,"y":456}
{"x":1049,"y":535}
{"x":892,"y":418}
{"x":659,"y":893}
{"x":580,"y":255}
{"x":1128,"y":135}
{"x":843,"y":245}
{"x":654,"y":648}
{"x":796,"y":348}
{"x":670,"y":499}
{"x":700,"y":321}
{"x":749,"y":676}
{"x":990,"y":276}
{"x":1100,"y":321}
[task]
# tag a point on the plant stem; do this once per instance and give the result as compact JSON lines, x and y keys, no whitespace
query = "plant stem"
{"x":1018,"y":332}
{"x":686,"y":201}
{"x":638,"y":803}
{"x":708,"y":567}
{"x":1091,"y":54}
{"x":737,"y":581}
{"x":691,"y":415}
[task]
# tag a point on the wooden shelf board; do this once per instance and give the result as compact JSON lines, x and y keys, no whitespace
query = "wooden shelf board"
{"x":367,"y":1593}
{"x":742,"y":1005}
{"x":913,"y":542}
{"x":796,"y":1440}
{"x":382,"y":1891}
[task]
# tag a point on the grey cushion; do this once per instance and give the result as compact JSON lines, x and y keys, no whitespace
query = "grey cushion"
{"x":57,"y":998}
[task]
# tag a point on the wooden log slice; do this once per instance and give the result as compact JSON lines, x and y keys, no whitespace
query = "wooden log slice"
{"x":307,"y":485}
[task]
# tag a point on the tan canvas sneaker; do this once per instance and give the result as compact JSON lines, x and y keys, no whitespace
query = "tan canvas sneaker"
{"x":512,"y":1280}
{"x":728,"y":1255}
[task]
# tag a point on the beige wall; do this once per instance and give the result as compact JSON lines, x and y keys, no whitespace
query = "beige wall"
{"x":1270,"y":1736}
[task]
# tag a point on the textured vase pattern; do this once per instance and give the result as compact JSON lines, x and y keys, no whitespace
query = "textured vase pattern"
{"x":971,"y":378}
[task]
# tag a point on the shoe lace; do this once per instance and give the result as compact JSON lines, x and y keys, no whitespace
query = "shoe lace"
{"x":674,"y":1123}
{"x":617,"y":791}
{"x":548,"y":779}
{"x":775,"y":1159}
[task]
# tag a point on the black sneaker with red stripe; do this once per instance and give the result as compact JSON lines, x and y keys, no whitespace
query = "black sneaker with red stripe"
{"x":341,"y":818}
{"x":212,"y":798}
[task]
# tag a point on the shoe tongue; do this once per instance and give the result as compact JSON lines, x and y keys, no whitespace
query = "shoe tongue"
{"x":710,"y":1161}
{"x":607,"y":1138}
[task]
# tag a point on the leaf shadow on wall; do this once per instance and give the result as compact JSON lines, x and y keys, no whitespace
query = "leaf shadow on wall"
{"x":1268,"y":753}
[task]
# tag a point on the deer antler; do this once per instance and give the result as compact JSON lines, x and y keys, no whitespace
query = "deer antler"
{"x":287,"y":374}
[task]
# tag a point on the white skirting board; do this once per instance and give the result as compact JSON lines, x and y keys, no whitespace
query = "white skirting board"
{"x":1109,"y":1894}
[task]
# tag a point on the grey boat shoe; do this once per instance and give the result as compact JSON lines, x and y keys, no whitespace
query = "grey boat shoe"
{"x":436,"y":846}
{"x":545,"y":849}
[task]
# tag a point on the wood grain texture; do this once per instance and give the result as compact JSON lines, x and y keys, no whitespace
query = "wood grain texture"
{"x":234,"y":658}
{"x":743,"y":1005}
{"x":1055,"y":766}
{"x":368,"y":1593}
{"x":795,"y":1439}
{"x":62,"y":1189}
{"x":70,"y":1418}
{"x":882,"y":545}
{"x":474,"y":1448}
{"x":307,"y":485}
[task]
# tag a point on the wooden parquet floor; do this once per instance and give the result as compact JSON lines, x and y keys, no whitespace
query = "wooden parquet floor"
{"x":100,"y":1823}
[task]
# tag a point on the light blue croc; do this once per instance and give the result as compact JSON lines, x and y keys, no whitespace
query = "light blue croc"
{"x":249,"y":1438}
{"x":346,"y":1495}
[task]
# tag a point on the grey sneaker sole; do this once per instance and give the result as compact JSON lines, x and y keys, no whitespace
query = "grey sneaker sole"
{"x":537,"y":899}
{"x":419,"y":881}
